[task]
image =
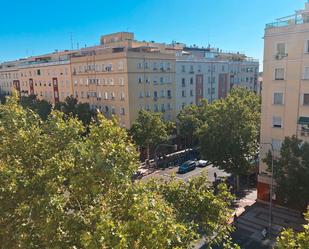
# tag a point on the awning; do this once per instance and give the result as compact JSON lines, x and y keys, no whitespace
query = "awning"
{"x":303,"y":120}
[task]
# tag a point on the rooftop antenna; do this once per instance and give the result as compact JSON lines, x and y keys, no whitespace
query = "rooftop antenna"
{"x":71,"y":38}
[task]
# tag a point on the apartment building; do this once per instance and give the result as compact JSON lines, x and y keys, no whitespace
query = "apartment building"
{"x":122,"y":81}
{"x":285,"y":94}
{"x":121,"y":75}
{"x":210,"y":74}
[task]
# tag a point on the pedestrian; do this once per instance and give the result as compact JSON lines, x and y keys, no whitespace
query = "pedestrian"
{"x":215,"y":175}
{"x":235,"y":219}
{"x":264,"y":232}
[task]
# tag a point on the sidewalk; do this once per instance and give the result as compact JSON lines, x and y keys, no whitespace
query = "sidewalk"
{"x":252,"y":219}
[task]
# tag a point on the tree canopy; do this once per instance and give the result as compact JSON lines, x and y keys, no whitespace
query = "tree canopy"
{"x":41,"y":107}
{"x":191,"y":118}
{"x":61,"y":188}
{"x":71,"y":106}
{"x":150,"y":129}
{"x":229,"y":137}
{"x":289,"y":239}
{"x":291,"y":172}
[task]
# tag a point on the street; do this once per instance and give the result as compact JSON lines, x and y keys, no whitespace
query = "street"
{"x":209,"y":170}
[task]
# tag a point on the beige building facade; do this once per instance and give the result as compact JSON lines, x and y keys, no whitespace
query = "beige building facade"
{"x":121,"y":76}
{"x":285,"y":94}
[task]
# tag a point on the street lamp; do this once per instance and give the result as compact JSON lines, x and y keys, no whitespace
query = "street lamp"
{"x":271,"y":188}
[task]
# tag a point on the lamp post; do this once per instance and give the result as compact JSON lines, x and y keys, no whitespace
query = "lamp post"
{"x":271,"y":188}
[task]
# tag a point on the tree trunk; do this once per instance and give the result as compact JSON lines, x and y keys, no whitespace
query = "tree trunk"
{"x":237,"y":183}
{"x":148,"y":149}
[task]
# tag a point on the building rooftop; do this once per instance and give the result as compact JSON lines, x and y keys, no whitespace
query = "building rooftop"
{"x":300,"y":17}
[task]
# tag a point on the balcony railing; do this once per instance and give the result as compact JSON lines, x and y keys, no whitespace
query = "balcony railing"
{"x":290,"y":20}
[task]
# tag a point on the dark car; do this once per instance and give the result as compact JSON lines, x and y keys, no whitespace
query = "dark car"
{"x":186,"y":167}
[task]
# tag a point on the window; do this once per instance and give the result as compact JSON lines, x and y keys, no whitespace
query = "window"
{"x":162,"y":94}
{"x":106,"y":95}
{"x":277,"y":143}
{"x":155,"y":94}
{"x":191,"y":68}
{"x":148,"y":94}
{"x":141,"y":94}
{"x":183,"y":68}
{"x":278,"y":98}
{"x":307,"y":47}
{"x":281,"y":48}
{"x":39,"y":72}
{"x":121,"y":81}
{"x":155,"y":66}
{"x":191,"y":81}
{"x":122,"y":111}
{"x":140,"y":80}
{"x":277,"y":122}
{"x":306,"y":73}
{"x":306,"y":99}
{"x":169,"y":94}
{"x":156,"y":107}
{"x":279,"y":74}
{"x":183,"y":82}
{"x":191,"y":93}
{"x":120,"y":65}
{"x":161,"y":79}
{"x":122,"y":96}
{"x":183,"y":93}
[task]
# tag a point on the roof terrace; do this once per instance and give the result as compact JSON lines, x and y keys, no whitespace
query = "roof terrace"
{"x":300,"y":17}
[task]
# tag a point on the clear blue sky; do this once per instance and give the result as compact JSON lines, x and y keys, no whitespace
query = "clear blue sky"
{"x":35,"y":27}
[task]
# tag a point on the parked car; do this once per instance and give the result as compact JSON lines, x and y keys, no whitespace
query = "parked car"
{"x":186,"y":167}
{"x":202,"y":163}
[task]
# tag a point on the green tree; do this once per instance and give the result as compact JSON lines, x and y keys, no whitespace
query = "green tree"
{"x":41,"y":107}
{"x":229,"y":137}
{"x":149,"y":130}
{"x":291,"y":172}
{"x":63,"y":189}
{"x":289,"y":239}
{"x":191,"y":118}
{"x":82,"y":111}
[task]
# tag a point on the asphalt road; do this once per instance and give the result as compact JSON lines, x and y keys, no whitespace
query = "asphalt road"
{"x":209,"y":170}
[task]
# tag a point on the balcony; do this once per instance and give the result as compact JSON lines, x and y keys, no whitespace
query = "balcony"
{"x":303,"y":127}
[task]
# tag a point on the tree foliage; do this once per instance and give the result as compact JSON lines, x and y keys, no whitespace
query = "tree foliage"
{"x":82,"y":111}
{"x":63,"y":189}
{"x":41,"y":107}
{"x":291,"y":172}
{"x":229,"y":137}
{"x":191,"y":118}
{"x":289,"y":239}
{"x":149,"y":129}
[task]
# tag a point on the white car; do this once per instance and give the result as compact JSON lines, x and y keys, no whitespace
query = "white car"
{"x":202,"y":163}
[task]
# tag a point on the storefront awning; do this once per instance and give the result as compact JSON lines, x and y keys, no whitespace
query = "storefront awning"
{"x":303,"y":120}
